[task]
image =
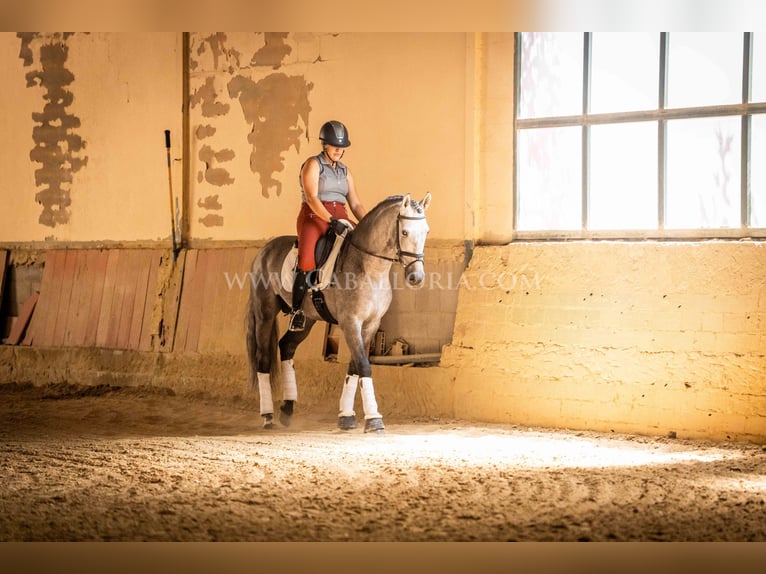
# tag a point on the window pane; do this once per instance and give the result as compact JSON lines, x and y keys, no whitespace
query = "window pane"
{"x":758,"y":172}
{"x":703,"y":173}
{"x":549,"y":178}
{"x":551,"y":74}
{"x":758,"y":85}
{"x":623,"y":176}
{"x":704,"y":69}
{"x":625,"y":72}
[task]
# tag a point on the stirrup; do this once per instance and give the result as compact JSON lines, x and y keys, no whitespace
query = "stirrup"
{"x":297,"y":321}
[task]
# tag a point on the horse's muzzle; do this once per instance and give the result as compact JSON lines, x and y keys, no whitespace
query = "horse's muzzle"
{"x":414,"y":273}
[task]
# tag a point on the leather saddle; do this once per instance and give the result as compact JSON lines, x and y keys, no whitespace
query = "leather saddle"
{"x":326,"y":254}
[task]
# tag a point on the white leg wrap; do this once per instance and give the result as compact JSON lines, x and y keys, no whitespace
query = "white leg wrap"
{"x":289,"y":386}
{"x":264,"y":388}
{"x":348,"y":395}
{"x":368,"y":399}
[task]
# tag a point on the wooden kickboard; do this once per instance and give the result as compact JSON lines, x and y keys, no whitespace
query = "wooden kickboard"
{"x":25,"y":314}
{"x":96,"y":298}
{"x":213,"y":300}
{"x":3,"y":264}
{"x":109,"y":299}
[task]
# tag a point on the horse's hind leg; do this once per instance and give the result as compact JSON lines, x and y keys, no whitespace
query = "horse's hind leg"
{"x":287,"y":347}
{"x":261,"y":350}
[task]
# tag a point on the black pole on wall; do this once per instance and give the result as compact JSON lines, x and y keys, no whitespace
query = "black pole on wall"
{"x":170,"y":190}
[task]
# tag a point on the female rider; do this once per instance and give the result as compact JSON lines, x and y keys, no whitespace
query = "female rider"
{"x":326,"y":188}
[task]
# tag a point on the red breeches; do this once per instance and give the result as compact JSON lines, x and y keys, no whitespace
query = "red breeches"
{"x":311,"y":227}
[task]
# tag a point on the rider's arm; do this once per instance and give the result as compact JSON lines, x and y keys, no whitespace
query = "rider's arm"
{"x":310,"y":179}
{"x":353,"y":200}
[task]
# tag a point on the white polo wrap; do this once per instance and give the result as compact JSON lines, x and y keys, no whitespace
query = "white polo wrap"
{"x":264,"y":388}
{"x":348,"y":395}
{"x":368,"y":399}
{"x":289,"y":386}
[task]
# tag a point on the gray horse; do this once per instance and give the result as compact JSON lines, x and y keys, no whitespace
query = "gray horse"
{"x":395,"y":230}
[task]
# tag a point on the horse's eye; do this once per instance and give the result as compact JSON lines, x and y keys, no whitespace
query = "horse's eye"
{"x":405,"y":233}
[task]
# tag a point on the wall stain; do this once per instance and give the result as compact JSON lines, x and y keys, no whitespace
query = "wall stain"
{"x":211,"y":220}
{"x":57,"y":147}
{"x":205,"y":131}
{"x":207,"y":97}
{"x":215,"y":175}
{"x":216,"y":43}
{"x":274,"y":106}
{"x":273,"y":52}
{"x":210,"y":202}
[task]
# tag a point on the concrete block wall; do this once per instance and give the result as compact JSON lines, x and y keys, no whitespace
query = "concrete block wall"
{"x":644,"y":337}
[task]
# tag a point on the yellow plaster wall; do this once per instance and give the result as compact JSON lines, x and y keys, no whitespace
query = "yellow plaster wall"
{"x":423,"y":110}
{"x":125,"y":91}
{"x":402,"y":97}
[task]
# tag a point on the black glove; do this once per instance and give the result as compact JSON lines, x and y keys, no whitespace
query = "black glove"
{"x":338,"y":227}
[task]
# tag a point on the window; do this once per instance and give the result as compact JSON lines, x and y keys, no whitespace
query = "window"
{"x":640,"y":134}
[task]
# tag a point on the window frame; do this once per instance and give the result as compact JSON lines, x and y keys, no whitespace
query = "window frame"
{"x":661,"y":115}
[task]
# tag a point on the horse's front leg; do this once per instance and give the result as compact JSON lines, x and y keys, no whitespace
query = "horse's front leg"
{"x":360,"y":371}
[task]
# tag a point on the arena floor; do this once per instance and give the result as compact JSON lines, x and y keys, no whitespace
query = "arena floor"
{"x":134,"y":464}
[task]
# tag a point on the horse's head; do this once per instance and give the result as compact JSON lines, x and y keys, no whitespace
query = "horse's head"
{"x":412,"y":230}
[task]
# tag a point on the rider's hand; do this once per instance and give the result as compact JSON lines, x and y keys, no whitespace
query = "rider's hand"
{"x":338,"y":227}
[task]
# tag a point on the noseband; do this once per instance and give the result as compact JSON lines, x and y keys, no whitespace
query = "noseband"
{"x":400,"y":255}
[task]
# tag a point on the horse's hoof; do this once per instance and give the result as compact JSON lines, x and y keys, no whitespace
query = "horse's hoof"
{"x":347,"y":422}
{"x":374,"y":425}
{"x":286,"y":412}
{"x":268,"y":421}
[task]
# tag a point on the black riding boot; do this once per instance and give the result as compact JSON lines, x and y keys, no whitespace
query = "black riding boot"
{"x":297,"y":318}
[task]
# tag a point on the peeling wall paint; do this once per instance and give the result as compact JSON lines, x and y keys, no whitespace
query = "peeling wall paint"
{"x":273,"y":52}
{"x":216,"y":45}
{"x":210,"y":159}
{"x":275,"y":107}
{"x":210,"y":202}
{"x":57,"y":147}
{"x":207,"y":98}
{"x":215,"y":175}
{"x":205,"y":131}
{"x":211,"y":220}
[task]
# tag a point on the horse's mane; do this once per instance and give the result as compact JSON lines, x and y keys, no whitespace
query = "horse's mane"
{"x":391,"y":199}
{"x":383,"y":205}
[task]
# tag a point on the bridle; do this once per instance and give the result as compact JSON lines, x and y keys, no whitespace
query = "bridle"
{"x":400,"y":254}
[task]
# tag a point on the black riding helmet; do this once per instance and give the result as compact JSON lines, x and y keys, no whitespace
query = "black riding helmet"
{"x":334,"y":133}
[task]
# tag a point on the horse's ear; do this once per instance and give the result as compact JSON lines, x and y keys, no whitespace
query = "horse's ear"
{"x":426,"y":201}
{"x":406,"y":201}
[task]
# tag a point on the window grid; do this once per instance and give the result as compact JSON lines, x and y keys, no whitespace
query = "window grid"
{"x":662,"y":134}
{"x":747,"y":71}
{"x":586,"y":89}
{"x":661,"y":115}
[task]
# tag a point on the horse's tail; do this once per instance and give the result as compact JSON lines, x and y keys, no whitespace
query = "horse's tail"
{"x":253,"y":343}
{"x":250,"y":340}
{"x":273,"y":353}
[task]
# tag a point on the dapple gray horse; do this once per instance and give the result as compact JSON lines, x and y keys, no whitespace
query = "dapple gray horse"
{"x":395,"y":230}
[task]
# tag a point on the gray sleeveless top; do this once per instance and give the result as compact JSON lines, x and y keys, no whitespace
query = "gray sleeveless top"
{"x":333,"y":183}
